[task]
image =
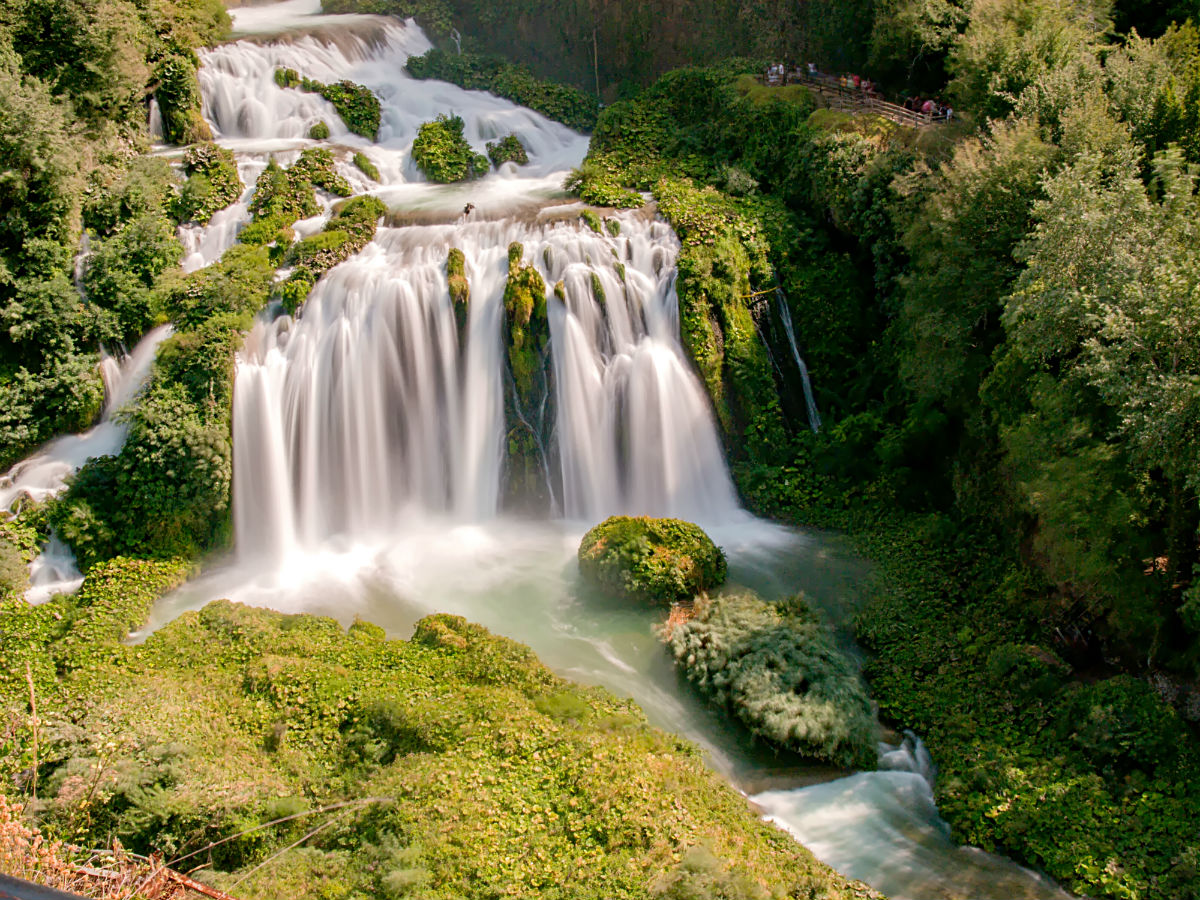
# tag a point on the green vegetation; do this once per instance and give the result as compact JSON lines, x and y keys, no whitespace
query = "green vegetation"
{"x":460,"y":289}
{"x":443,"y":154}
{"x":474,"y":72}
{"x":781,"y":673}
{"x":650,"y":560}
{"x":365,"y":165}
{"x":357,"y":106}
{"x":591,"y":220}
{"x":507,"y":149}
{"x":455,"y":764}
{"x":213,"y":183}
{"x":74,"y":76}
{"x":319,"y":132}
{"x":349,"y":230}
{"x":282,"y":197}
{"x":984,"y":309}
{"x":528,"y":325}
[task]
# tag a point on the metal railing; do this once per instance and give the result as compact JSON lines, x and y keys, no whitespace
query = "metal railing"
{"x":839,"y":96}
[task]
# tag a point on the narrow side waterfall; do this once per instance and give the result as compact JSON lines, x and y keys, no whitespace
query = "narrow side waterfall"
{"x":370,"y":409}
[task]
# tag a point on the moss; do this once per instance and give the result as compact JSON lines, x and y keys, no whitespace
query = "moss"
{"x":507,"y":149}
{"x":612,"y":226}
{"x":178,"y":96}
{"x":349,"y":230}
{"x":560,"y":291}
{"x":357,"y":106}
{"x":591,"y":220}
{"x":213,"y":183}
{"x":443,"y":154}
{"x":724,"y":257}
{"x":528,"y":326}
{"x":779,"y":671}
{"x":460,"y":289}
{"x":319,"y":131}
{"x":655,"y":560}
{"x":598,"y":290}
{"x":365,"y":165}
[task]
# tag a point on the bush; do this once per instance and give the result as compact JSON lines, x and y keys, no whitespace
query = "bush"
{"x":656,"y":560}
{"x":441,"y":152}
{"x":365,"y":165}
{"x":568,"y":105}
{"x":357,"y":106}
{"x":319,"y":132}
{"x":779,"y":671}
{"x":508,"y":149}
{"x":178,"y":96}
{"x":213,"y":183}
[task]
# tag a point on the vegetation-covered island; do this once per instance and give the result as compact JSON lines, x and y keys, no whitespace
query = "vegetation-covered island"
{"x":608,"y":331}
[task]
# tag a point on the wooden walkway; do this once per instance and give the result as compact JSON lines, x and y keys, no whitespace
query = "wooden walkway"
{"x":832,"y":94}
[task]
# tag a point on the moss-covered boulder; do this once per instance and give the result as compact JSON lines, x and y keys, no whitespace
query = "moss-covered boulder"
{"x":507,"y":149}
{"x":460,"y":289}
{"x":355,"y":104}
{"x":213,"y":183}
{"x":443,"y":154}
{"x":779,"y":670}
{"x":657,"y":560}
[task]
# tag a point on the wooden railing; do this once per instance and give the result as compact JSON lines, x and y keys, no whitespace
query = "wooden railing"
{"x":838,"y":96}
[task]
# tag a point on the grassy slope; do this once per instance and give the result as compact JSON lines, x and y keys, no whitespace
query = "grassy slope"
{"x":497,"y":778}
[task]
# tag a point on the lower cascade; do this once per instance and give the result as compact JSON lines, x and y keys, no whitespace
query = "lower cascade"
{"x":373,"y":407}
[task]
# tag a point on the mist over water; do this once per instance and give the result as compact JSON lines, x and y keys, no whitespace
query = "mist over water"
{"x":369,"y":434}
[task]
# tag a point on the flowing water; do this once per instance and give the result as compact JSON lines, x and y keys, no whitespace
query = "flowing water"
{"x":45,"y":473}
{"x":369,"y":434}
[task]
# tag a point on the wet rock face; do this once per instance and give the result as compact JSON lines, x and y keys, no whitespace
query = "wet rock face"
{"x":529,"y":395}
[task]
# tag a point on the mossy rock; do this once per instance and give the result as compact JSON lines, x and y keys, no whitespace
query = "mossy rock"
{"x":443,"y":154}
{"x":778,"y":669}
{"x":508,"y":149}
{"x":460,"y":288}
{"x":655,"y":560}
{"x":319,"y":131}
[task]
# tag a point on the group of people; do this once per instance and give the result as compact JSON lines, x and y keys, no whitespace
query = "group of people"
{"x":930,"y":107}
{"x":858,"y":83}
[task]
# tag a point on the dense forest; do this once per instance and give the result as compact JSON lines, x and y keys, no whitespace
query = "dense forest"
{"x":1001,"y":315}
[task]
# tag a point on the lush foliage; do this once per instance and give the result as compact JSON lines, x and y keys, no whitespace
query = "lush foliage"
{"x":357,"y":106}
{"x":213,"y":183}
{"x":455,"y":763}
{"x":443,"y":154}
{"x":780,"y":671}
{"x":653,"y":560}
{"x":513,"y":82}
{"x":350,"y":229}
{"x":507,"y":149}
{"x":364,"y":164}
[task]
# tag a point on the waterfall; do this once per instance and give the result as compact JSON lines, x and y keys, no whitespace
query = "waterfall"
{"x":785,"y":314}
{"x":368,"y":411}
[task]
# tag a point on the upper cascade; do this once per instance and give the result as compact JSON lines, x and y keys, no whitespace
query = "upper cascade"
{"x":382,"y":403}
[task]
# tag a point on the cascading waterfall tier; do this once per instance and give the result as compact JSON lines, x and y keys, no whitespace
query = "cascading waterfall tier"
{"x":369,"y":409}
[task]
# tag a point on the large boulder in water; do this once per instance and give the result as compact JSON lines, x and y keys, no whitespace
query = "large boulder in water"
{"x":657,"y":560}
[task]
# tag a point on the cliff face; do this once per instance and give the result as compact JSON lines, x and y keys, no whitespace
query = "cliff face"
{"x":636,"y":41}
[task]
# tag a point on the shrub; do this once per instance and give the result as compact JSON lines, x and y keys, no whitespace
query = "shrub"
{"x":178,"y":96}
{"x":357,"y":106}
{"x":508,"y":149}
{"x":319,"y":132}
{"x":472,"y":71}
{"x":779,"y":671}
{"x":656,"y":560}
{"x":213,"y":183}
{"x":365,"y":165}
{"x":443,"y":154}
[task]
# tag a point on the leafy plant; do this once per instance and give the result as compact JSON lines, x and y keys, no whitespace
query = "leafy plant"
{"x":441,"y":152}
